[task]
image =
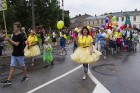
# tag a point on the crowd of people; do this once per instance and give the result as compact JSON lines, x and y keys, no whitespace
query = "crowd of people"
{"x":113,"y":40}
{"x":28,"y":46}
{"x":88,"y":45}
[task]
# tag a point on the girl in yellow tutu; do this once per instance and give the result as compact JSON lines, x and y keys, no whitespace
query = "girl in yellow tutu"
{"x":86,"y":52}
{"x":32,"y":48}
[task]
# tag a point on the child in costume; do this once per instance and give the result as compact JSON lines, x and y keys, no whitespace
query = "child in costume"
{"x":47,"y":53}
{"x":85,"y":53}
{"x":63,"y":39}
{"x":119,"y":40}
{"x":32,"y":49}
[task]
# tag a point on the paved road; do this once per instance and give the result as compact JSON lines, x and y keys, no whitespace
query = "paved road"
{"x":119,"y":74}
{"x":72,"y":83}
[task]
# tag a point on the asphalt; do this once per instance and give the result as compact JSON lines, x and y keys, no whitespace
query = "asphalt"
{"x":119,"y":74}
{"x":72,"y":83}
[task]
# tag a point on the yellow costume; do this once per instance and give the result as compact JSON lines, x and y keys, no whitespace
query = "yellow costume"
{"x":82,"y":53}
{"x":119,"y":35}
{"x":33,"y":50}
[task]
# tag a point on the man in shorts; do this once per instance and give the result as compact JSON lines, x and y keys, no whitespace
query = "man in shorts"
{"x":17,"y":57}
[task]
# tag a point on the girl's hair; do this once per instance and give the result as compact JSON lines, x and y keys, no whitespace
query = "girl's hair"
{"x":83,"y":30}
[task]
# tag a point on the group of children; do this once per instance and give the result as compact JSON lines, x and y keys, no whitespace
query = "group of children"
{"x":112,"y":40}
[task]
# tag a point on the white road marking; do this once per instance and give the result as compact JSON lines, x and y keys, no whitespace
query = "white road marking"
{"x":99,"y":87}
{"x":49,"y":82}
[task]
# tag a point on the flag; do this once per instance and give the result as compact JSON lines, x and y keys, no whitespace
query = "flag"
{"x":3,"y":5}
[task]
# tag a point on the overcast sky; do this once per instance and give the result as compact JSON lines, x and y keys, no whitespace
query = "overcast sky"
{"x":98,"y":7}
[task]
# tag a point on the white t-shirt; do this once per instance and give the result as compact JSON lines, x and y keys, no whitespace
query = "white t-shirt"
{"x":123,"y":32}
{"x":128,"y":33}
{"x":53,"y":34}
{"x":46,"y":46}
{"x":60,"y":34}
{"x":103,"y":34}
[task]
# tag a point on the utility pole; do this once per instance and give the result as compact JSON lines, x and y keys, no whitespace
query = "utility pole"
{"x":33,"y":15}
{"x":63,"y":10}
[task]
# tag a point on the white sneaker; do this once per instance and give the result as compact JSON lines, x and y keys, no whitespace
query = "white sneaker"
{"x":61,"y":54}
{"x":84,"y":77}
{"x":104,"y":57}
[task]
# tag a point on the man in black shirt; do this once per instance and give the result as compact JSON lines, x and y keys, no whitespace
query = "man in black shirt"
{"x":17,"y":42}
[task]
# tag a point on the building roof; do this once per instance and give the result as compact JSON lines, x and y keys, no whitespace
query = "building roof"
{"x":95,"y":18}
{"x":130,"y":13}
{"x":85,"y":15}
{"x":118,"y":14}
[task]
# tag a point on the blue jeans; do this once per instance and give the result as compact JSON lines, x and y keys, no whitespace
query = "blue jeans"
{"x":85,"y":68}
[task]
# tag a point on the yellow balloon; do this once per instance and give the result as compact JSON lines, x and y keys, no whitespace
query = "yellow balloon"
{"x":76,"y":29}
{"x":60,"y":24}
{"x":88,"y":27}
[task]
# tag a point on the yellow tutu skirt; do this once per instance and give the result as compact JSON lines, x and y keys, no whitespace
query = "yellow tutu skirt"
{"x":83,"y":56}
{"x":32,"y":52}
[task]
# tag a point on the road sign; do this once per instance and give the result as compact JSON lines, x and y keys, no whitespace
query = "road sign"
{"x":3,"y":5}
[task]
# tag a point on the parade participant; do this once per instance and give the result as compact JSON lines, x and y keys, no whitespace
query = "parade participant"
{"x":63,"y":39}
{"x":135,"y":39}
{"x":42,"y":34}
{"x":47,"y":53}
{"x":24,"y":35}
{"x":1,"y":42}
{"x":32,"y":49}
{"x":54,"y":38}
{"x":97,"y":42}
{"x":112,"y":44}
{"x":18,"y":53}
{"x":119,"y":40}
{"x":75,"y":37}
{"x":86,"y":52}
{"x":128,"y":39}
{"x":103,"y":41}
{"x":107,"y":39}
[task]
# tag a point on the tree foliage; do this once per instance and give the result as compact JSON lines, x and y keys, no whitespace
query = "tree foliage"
{"x":47,"y":13}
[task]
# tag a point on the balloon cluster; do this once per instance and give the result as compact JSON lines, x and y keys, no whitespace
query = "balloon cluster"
{"x":111,"y":21}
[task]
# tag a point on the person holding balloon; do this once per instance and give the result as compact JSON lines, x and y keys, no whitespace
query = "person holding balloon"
{"x":85,"y":53}
{"x":63,"y":40}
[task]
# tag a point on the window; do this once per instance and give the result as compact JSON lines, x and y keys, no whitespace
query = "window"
{"x":134,"y":25}
{"x":97,"y":21}
{"x":117,"y":18}
{"x":93,"y":22}
{"x":122,"y":18}
{"x":134,"y":18}
{"x":89,"y":22}
{"x":102,"y":21}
